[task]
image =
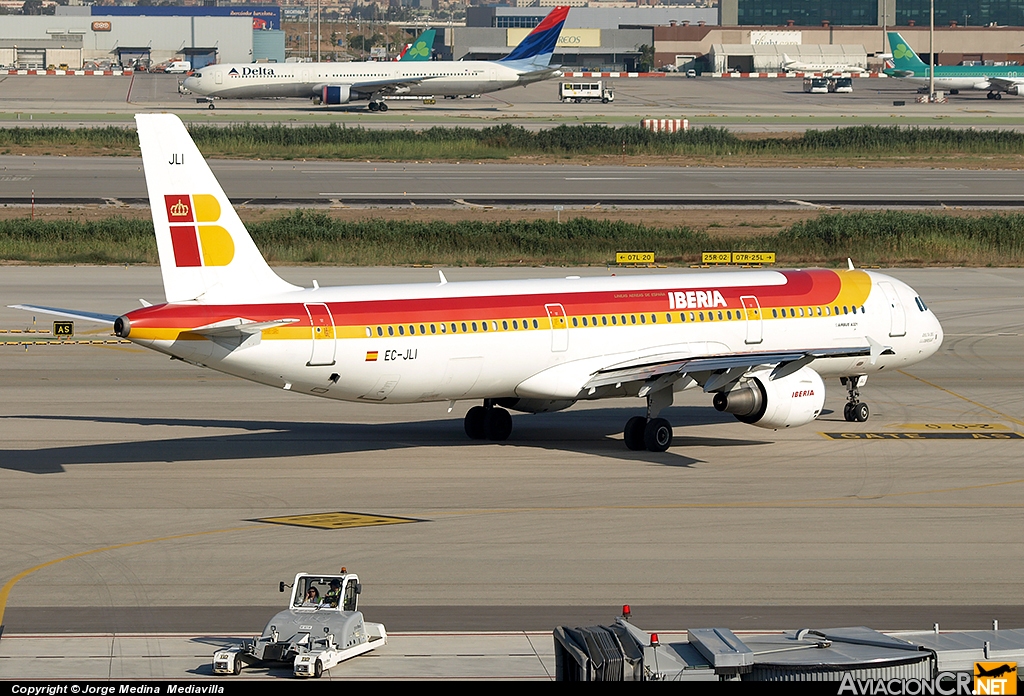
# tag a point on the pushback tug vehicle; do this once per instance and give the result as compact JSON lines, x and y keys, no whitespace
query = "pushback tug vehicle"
{"x":320,"y":628}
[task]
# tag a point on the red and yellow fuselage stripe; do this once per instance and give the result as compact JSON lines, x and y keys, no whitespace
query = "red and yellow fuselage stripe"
{"x":803,"y":290}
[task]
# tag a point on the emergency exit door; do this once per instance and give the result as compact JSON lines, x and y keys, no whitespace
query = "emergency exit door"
{"x":323,"y":343}
{"x":559,"y":328}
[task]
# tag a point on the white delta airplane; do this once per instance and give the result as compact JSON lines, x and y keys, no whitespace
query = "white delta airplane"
{"x":760,"y":342}
{"x":790,"y":65}
{"x":340,"y":83}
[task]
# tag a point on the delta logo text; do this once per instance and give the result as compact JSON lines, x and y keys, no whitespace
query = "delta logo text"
{"x":696,"y":299}
{"x":251,"y":72}
{"x":196,"y":241}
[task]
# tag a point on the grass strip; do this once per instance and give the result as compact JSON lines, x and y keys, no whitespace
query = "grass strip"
{"x":506,"y":141}
{"x":303,"y":237}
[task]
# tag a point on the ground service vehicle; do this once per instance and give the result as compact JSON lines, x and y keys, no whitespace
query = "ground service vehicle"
{"x":179,"y":66}
{"x":320,"y":628}
{"x":816,"y":85}
{"x":580,"y":92}
{"x":840,"y":85}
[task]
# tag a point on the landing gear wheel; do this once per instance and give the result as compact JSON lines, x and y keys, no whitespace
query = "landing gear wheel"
{"x":497,"y":424}
{"x":474,"y":423}
{"x":633,"y":433}
{"x":212,"y":106}
{"x":658,"y":435}
{"x":859,"y":412}
{"x":318,"y":669}
{"x":236,"y":668}
{"x":998,"y":95}
{"x":847,"y":407}
{"x":373,"y":106}
{"x":382,"y":107}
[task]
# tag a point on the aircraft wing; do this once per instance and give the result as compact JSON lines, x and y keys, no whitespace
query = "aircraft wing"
{"x":385,"y":85}
{"x":715,"y":371}
{"x":1004,"y":83}
{"x":68,"y":313}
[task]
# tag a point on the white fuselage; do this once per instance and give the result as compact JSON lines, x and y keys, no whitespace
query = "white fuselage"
{"x":838,"y":68}
{"x":427,"y":78}
{"x":433,"y":342}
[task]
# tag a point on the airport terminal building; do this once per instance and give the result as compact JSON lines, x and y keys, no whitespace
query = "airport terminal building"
{"x":141,"y":36}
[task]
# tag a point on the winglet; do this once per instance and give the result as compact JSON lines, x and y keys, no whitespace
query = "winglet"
{"x":444,"y":281}
{"x":849,"y":263}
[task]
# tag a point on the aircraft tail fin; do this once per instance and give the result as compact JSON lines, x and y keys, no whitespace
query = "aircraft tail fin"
{"x":538,"y":46}
{"x":903,"y":56}
{"x":421,"y":47}
{"x":205,"y":251}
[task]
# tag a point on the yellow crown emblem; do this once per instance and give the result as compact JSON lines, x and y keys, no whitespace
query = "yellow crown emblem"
{"x":179,"y":209}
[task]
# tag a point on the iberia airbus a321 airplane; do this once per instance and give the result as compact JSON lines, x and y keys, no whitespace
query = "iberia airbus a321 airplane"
{"x":759,"y":342}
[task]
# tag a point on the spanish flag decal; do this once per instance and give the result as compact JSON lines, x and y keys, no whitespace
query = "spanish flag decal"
{"x":196,"y":241}
{"x":371,"y":356}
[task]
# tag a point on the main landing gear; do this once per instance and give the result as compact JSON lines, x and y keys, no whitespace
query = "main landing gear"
{"x":994,"y":95}
{"x":650,"y":433}
{"x":378,"y":105}
{"x":488,"y":422}
{"x":855,"y":410}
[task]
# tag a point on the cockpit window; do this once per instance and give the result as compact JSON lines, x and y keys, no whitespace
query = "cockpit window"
{"x":920,"y":304}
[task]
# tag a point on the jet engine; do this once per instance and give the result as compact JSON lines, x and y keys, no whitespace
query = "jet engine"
{"x":535,"y":405}
{"x":336,"y":94}
{"x":795,"y":399}
{"x":1013,"y":90}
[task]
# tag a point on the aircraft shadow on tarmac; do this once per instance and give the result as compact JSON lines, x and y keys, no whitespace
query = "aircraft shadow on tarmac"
{"x":583,"y":431}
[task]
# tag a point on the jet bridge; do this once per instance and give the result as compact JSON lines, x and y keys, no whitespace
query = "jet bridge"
{"x":623,"y":652}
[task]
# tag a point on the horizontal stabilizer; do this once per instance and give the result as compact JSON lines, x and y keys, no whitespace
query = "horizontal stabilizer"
{"x":239,"y":326}
{"x":68,"y":313}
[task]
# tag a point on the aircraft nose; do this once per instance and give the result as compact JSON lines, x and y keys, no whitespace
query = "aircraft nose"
{"x":191,"y":82}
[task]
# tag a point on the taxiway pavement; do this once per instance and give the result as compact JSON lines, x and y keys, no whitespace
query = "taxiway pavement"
{"x":149,"y":477}
{"x":753,"y":105}
{"x":119,"y":180}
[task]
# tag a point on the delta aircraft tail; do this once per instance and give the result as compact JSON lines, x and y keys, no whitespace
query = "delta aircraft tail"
{"x":536,"y":49}
{"x":206,"y":254}
{"x":903,"y":57}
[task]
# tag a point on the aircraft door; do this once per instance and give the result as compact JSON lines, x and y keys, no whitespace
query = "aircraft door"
{"x":898,"y":325}
{"x":218,"y":77}
{"x":323,"y":345}
{"x":752,"y":310}
{"x":559,"y":328}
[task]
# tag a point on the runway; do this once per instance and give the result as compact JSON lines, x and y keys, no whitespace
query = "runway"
{"x":150,"y":477}
{"x":119,"y":180}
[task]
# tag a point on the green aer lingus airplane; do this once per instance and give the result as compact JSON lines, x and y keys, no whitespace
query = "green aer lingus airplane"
{"x":952,"y":78}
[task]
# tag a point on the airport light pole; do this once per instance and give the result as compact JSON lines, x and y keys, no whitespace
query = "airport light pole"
{"x":931,"y":55}
{"x":317,"y":31}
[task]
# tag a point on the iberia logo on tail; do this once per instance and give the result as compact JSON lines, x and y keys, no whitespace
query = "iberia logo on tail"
{"x":196,"y":241}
